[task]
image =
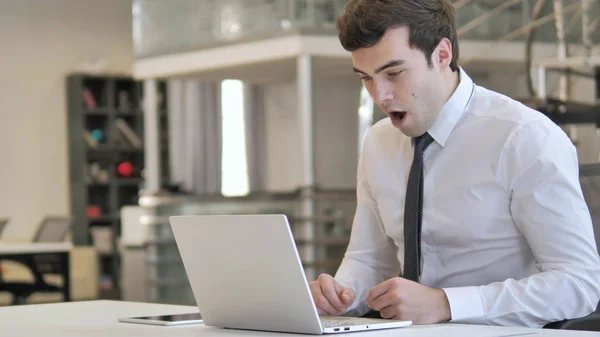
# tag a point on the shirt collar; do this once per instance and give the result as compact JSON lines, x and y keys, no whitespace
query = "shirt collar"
{"x":453,"y":109}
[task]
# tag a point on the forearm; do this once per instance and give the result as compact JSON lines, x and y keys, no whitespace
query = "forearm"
{"x":370,"y":259}
{"x":533,"y":301}
{"x":371,"y":256}
{"x":361,"y":278}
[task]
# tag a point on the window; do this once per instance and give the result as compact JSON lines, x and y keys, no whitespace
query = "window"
{"x":365,"y":116}
{"x":234,"y":168}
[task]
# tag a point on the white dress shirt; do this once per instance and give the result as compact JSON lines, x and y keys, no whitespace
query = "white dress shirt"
{"x":506,"y":232}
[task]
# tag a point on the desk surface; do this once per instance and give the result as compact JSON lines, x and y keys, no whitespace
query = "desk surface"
{"x":99,"y":318}
{"x":13,"y":248}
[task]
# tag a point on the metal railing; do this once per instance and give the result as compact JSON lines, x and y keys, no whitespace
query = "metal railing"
{"x":166,"y":280}
{"x":166,"y":27}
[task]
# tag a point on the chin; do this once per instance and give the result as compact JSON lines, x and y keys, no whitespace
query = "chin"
{"x":410,"y":132}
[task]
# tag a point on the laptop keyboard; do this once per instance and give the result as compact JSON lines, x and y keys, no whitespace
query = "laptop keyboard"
{"x":333,"y":323}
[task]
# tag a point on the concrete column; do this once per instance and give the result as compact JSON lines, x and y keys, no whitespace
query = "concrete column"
{"x":306,"y":227}
{"x":151,"y":137}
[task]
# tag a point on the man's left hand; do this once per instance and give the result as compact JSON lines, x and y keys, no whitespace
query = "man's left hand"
{"x":399,"y":298}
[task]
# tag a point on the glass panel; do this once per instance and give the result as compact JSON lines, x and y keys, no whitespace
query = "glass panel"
{"x":332,"y":220}
{"x":164,"y":27}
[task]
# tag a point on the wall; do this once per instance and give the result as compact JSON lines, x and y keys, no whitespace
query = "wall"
{"x":42,"y":42}
{"x":336,"y":105}
{"x":335,"y":125}
{"x":284,"y":165}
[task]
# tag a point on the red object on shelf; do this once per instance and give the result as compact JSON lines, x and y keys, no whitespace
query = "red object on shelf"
{"x":89,"y":99}
{"x":125,"y":169}
{"x":94,"y":211}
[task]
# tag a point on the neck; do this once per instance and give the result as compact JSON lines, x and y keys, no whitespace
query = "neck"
{"x":451,"y":82}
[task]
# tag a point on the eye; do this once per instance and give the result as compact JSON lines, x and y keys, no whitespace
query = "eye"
{"x":365,"y":78}
{"x":395,"y":73}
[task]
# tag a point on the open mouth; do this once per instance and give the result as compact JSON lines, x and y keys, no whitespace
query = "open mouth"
{"x":398,"y":115}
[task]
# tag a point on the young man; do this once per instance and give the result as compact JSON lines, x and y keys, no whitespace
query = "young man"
{"x":473,"y":198}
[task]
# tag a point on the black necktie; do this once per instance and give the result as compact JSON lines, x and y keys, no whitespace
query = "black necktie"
{"x":413,"y":211}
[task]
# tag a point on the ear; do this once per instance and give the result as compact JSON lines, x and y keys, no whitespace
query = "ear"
{"x":443,"y":53}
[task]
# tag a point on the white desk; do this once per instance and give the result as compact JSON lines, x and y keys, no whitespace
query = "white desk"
{"x":99,"y":319}
{"x":20,"y":248}
{"x":25,"y":252}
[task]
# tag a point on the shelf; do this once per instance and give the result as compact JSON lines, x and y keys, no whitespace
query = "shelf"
{"x":103,"y":111}
{"x":108,"y":294}
{"x":163,"y":261}
{"x":173,"y":282}
{"x":129,"y":182}
{"x":97,"y":112}
{"x":112,"y":99}
{"x":140,"y":112}
{"x":112,"y":148}
{"x":161,"y":242}
{"x":117,"y":181}
{"x":104,"y":218}
{"x":97,"y":184}
{"x":129,"y":112}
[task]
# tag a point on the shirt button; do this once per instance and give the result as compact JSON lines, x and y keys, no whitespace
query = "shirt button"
{"x":428,"y":249}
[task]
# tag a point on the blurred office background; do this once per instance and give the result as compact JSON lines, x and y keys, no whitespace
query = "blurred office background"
{"x":116,"y":114}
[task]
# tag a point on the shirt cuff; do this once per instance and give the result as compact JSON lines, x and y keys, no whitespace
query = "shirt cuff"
{"x":465,"y":303}
{"x":359,"y":306}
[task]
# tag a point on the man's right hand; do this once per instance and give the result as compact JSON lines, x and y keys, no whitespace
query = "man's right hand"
{"x":330,"y":297}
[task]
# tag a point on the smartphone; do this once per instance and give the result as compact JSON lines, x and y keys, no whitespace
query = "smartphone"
{"x":166,"y":320}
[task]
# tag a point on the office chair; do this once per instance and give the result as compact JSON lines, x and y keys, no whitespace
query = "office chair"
{"x":51,"y":229}
{"x":589,"y":178}
{"x":3,"y":222}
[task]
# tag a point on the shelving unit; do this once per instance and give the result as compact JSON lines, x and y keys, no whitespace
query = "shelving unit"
{"x":106,"y":161}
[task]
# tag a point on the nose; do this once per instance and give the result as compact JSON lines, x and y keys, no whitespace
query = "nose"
{"x":382,"y":92}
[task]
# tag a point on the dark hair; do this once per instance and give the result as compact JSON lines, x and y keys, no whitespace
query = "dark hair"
{"x":364,"y":22}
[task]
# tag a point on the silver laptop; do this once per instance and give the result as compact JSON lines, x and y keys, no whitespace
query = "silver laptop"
{"x":245,"y":273}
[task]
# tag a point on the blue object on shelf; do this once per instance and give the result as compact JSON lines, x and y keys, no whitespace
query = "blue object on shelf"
{"x":98,"y":135}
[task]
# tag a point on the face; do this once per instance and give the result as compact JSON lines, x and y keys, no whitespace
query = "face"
{"x":401,"y":81}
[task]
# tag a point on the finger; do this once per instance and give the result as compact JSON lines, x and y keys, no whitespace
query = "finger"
{"x":323,"y":304}
{"x":383,"y":301}
{"x":388,"y":312}
{"x":320,"y":301}
{"x":348,"y":296}
{"x":377,"y":291}
{"x":332,"y":291}
{"x":338,"y":288}
{"x":328,"y":290}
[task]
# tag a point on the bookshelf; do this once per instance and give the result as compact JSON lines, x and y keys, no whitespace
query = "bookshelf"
{"x":105,"y":125}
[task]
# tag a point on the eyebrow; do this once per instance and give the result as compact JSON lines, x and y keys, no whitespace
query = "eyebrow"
{"x":390,"y":64}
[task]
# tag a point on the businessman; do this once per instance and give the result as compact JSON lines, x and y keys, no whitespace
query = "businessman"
{"x":469,"y":207}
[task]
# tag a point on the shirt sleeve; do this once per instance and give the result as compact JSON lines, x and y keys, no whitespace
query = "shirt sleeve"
{"x":547,"y":205}
{"x":371,"y":255}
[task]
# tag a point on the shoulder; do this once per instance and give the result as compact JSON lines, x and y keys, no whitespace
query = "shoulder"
{"x":523,"y":122}
{"x":490,"y":104}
